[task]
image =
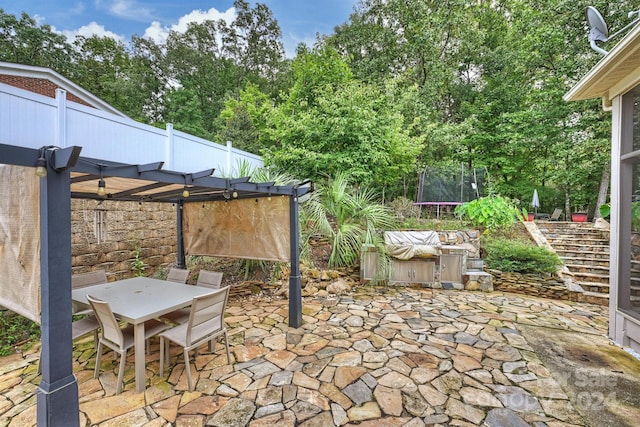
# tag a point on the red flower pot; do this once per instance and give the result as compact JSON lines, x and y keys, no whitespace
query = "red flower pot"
{"x":579,"y":217}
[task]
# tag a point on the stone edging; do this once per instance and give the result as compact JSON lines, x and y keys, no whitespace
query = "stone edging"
{"x":549,"y":286}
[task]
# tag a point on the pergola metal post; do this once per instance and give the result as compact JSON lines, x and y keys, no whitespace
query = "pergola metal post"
{"x":295,"y":283}
{"x":182,"y":263}
{"x":57,"y":397}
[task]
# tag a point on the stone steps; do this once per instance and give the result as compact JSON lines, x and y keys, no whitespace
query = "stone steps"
{"x":590,"y":270}
{"x":602,"y":288}
{"x":581,"y":257}
{"x":585,"y":253}
{"x":586,"y":261}
{"x":582,"y":240}
{"x":578,"y":247}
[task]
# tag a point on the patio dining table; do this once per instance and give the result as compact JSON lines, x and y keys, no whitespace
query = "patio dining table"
{"x":137,"y":300}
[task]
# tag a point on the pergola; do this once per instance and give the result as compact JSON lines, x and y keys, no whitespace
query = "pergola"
{"x":66,"y":175}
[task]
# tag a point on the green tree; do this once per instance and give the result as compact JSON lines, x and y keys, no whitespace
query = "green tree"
{"x":244,"y":119}
{"x":106,"y":69}
{"x":23,"y":41}
{"x":348,"y":219}
{"x":254,"y":41}
{"x":352,"y":129}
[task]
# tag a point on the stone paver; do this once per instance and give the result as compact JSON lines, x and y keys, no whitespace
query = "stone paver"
{"x":374,"y":356}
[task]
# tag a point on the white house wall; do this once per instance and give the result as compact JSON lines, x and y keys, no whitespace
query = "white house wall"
{"x":31,"y":120}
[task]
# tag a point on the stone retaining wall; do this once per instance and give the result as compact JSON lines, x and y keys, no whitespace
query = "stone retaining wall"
{"x":544,"y":286}
{"x":466,"y":239}
{"x":147,"y":227}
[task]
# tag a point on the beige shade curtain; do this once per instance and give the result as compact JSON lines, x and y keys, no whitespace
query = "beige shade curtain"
{"x":20,"y":241}
{"x":247,"y":228}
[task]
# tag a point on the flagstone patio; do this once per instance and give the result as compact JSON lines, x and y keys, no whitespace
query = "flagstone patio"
{"x":377,"y":357}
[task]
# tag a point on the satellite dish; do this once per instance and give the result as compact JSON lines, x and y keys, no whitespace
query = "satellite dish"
{"x":598,"y":30}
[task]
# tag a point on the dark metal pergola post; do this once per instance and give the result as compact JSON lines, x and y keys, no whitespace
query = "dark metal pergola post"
{"x":57,"y":397}
{"x":182,"y":263}
{"x":295,"y":283}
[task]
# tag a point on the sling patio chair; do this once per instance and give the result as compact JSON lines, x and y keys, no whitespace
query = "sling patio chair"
{"x":177,"y":275}
{"x":120,"y":340}
{"x":555,"y":216}
{"x":87,"y":279}
{"x":205,"y":324}
{"x":80,"y":328}
{"x":208,"y":279}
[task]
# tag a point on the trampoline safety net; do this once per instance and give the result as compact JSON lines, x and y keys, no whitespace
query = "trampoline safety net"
{"x":444,"y":184}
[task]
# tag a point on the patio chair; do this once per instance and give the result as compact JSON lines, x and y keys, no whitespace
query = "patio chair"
{"x":87,"y":279}
{"x":205,"y":324}
{"x":80,"y":328}
{"x":178,"y":275}
{"x":120,"y":340}
{"x":84,"y":326}
{"x":209,"y":279}
{"x":555,"y":216}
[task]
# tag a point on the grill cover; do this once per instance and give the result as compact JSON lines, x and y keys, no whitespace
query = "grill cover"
{"x":412,"y":244}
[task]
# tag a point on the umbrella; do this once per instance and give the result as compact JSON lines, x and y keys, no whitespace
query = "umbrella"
{"x":535,"y":203}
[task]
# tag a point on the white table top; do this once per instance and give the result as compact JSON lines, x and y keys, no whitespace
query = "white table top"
{"x":140,"y":299}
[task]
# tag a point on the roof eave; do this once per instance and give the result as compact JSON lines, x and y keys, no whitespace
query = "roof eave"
{"x":32,"y":71}
{"x":606,"y":74}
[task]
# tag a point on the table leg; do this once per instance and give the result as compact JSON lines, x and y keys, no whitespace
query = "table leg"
{"x":140,"y":351}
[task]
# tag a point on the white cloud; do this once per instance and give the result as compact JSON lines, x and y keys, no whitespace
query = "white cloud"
{"x":158,"y":33}
{"x":92,"y":29}
{"x":40,"y":20}
{"x":131,"y":10}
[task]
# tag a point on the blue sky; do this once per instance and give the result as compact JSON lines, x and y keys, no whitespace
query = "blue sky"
{"x":299,"y":20}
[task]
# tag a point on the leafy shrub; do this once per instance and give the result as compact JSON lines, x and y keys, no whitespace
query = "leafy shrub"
{"x":605,"y":212}
{"x":16,"y":331}
{"x":432,"y":224}
{"x":520,"y":257}
{"x":404,"y":208}
{"x":491,"y":212}
{"x":137,"y":265}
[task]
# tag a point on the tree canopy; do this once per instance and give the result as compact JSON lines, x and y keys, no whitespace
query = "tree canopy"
{"x":402,"y":85}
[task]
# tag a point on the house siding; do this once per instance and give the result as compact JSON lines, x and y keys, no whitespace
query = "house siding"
{"x":39,"y":86}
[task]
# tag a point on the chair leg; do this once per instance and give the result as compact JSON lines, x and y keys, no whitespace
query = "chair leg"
{"x":123,"y":357}
{"x":226,"y":344}
{"x":162,"y":356}
{"x":187,"y":368}
{"x":95,"y":339}
{"x":96,"y":371}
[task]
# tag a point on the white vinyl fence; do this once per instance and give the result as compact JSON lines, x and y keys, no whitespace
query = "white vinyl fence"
{"x":31,"y":120}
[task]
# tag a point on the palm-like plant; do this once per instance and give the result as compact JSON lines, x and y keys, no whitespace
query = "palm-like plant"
{"x":347,"y":219}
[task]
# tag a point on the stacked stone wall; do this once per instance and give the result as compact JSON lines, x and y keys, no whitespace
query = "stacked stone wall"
{"x":466,"y":239}
{"x":148,"y":229}
{"x":538,"y":285}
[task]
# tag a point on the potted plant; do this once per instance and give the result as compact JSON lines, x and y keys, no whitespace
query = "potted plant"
{"x":579,"y":216}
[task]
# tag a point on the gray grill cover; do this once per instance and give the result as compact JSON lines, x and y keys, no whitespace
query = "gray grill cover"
{"x":412,"y":244}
